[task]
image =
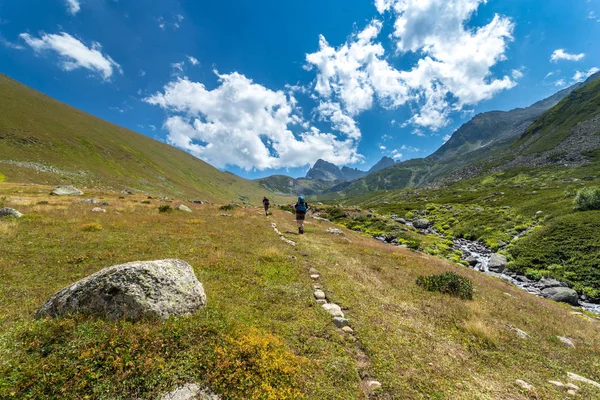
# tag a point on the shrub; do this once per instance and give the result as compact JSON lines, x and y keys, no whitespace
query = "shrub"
{"x":42,"y":202}
{"x":91,"y":227}
{"x":145,"y":201}
{"x":164,"y":209}
{"x":2,"y":202}
{"x":448,"y":282}
{"x":587,"y":199}
{"x":226,"y":207}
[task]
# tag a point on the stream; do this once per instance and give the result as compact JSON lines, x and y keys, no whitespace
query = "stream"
{"x":478,"y":255}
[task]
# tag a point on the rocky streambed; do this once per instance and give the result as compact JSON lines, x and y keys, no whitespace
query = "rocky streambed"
{"x":482,"y":258}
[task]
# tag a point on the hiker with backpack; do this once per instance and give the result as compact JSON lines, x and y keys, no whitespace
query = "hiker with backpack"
{"x":266,"y":204}
{"x":301,"y":207}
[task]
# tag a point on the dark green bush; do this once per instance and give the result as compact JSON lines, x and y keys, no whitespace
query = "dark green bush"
{"x":448,"y":282}
{"x":587,"y":199}
{"x":145,"y":201}
{"x":164,"y":209}
{"x":226,"y":207}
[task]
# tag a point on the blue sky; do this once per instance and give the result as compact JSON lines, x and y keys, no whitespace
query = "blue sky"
{"x":268,"y":87}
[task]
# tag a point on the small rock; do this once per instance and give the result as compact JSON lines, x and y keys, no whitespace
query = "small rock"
{"x":333,"y":309}
{"x":524,"y":384}
{"x":198,"y":202}
{"x":497,"y":263}
{"x":556,"y":383}
{"x":313,"y":271}
{"x":89,"y":201}
{"x":319,"y":295}
{"x":539,"y":213}
{"x":373,"y":385}
{"x":165,"y":198}
{"x":340,"y":322}
{"x":315,"y":276}
{"x":545,"y":283}
{"x":126,"y":191}
{"x":472,"y":261}
{"x":191,"y":391}
{"x":571,"y":392}
{"x":520,"y":333}
{"x":566,"y":341}
{"x":321,"y":301}
{"x":562,"y":294}
{"x":579,"y":378}
{"x":10,"y":212}
{"x":183,"y":207}
{"x":572,"y":386}
{"x":421,"y":223}
{"x":347,"y":329}
{"x":226,"y":215}
{"x":66,"y":191}
{"x":334,"y":231}
{"x":98,"y":209}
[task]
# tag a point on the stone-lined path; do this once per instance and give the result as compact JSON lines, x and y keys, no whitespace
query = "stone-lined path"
{"x":370,"y":386}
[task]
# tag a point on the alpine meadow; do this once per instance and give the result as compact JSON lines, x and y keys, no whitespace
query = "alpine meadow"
{"x":317,"y":200}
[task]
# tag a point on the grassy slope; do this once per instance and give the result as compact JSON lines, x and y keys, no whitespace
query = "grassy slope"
{"x":555,"y":125}
{"x":34,"y":127}
{"x":262,"y":335}
{"x":495,"y":207}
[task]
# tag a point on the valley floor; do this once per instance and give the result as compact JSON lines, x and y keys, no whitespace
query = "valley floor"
{"x":262,"y":335}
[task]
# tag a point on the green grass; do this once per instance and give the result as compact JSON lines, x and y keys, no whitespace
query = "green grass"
{"x":34,"y":127}
{"x":262,"y":335}
{"x":555,"y":125}
{"x":493,"y":209}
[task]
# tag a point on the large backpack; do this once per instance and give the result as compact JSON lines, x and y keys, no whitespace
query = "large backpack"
{"x":301,"y":206}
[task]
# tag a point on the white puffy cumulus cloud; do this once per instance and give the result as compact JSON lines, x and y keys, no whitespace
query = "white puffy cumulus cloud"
{"x":74,"y":53}
{"x":583,"y":75}
{"x":454,"y":67}
{"x":561,"y":54}
{"x":245,"y":124}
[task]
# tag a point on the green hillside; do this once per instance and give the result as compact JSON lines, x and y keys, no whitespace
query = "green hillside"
{"x":71,"y":146}
{"x":555,"y":126}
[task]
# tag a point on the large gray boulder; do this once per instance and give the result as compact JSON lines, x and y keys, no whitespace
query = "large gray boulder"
{"x":140,"y":289}
{"x":10,"y":212}
{"x":66,"y":191}
{"x":561,"y":294}
{"x":497,"y":263}
{"x":421,"y":223}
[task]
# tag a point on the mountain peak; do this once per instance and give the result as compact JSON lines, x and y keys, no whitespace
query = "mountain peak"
{"x":382,"y":164}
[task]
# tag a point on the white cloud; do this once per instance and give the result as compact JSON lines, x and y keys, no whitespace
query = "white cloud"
{"x":382,"y":147}
{"x":177,"y":67}
{"x":193,"y":60}
{"x":386,"y":137}
{"x":517,"y":74}
{"x":73,"y":6}
{"x":339,"y":120}
{"x":9,"y":44}
{"x":246,"y":124}
{"x":74,"y":53}
{"x":561,"y":54}
{"x":152,"y":127}
{"x":396,"y":155}
{"x":410,"y":148}
{"x":583,"y":75}
{"x":177,"y":18}
{"x":446,"y":138}
{"x":560,"y":83}
{"x":141,"y":72}
{"x":454,"y":68}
